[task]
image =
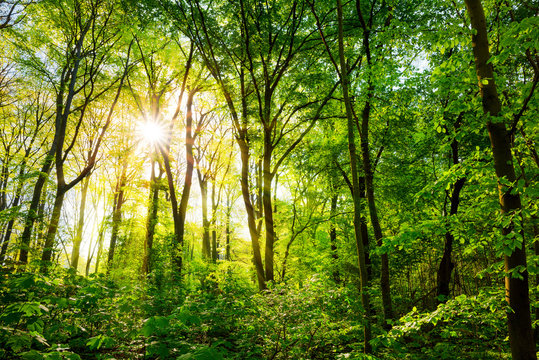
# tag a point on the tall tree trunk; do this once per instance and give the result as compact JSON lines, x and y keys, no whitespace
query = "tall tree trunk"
{"x":251,"y":222}
{"x":91,"y":251}
{"x":214,"y":204}
{"x":206,"y":246}
{"x":371,"y":202}
{"x":116,"y":216}
{"x":364,"y":285}
{"x":18,"y":195}
{"x":369,"y":176}
{"x":243,"y":143}
{"x":333,"y":237}
{"x":4,"y":176}
{"x":268,"y":208}
{"x":48,"y":248}
{"x":227,"y":226}
{"x":80,"y":225}
{"x":516,"y":289}
{"x":32,"y":216}
{"x":152,"y":219}
{"x":446,"y":264}
{"x":100,"y":239}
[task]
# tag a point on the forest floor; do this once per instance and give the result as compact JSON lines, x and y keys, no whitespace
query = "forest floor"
{"x":221,"y":316}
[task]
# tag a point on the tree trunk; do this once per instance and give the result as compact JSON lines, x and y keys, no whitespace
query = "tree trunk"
{"x":516,"y":289}
{"x":80,"y":225}
{"x":116,"y":217}
{"x":51,"y":232}
{"x":333,"y":237}
{"x":364,"y":285}
{"x":91,"y":252}
{"x":182,"y":209}
{"x":253,"y":232}
{"x":152,"y":220}
{"x":446,"y":264}
{"x":268,"y":208}
{"x":214,"y":244}
{"x":100,"y":239}
{"x":26,"y":236}
{"x":206,"y":247}
{"x":369,"y":186}
{"x":227,"y":229}
{"x":16,"y":201}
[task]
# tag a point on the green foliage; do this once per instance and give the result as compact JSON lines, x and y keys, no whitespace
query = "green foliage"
{"x":66,"y":318}
{"x":471,"y":327}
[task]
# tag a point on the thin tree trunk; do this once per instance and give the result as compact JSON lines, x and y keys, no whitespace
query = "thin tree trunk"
{"x":516,"y":289}
{"x":16,"y":201}
{"x":251,"y":222}
{"x":80,"y":225}
{"x":446,"y":265}
{"x":182,"y":209}
{"x":32,"y":216}
{"x":52,"y":229}
{"x":206,"y":246}
{"x":333,"y":237}
{"x":227,"y":227}
{"x":152,"y":220}
{"x":116,"y":216}
{"x":268,"y":208}
{"x":91,"y":251}
{"x":214,"y":204}
{"x":100,"y":239}
{"x":364,"y":285}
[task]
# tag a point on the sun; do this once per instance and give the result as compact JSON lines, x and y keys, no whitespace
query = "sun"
{"x":151,"y":132}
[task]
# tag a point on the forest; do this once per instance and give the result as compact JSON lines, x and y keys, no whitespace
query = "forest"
{"x":269,"y":179}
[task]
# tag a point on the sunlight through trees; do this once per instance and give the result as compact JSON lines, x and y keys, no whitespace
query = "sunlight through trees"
{"x":302,"y":179}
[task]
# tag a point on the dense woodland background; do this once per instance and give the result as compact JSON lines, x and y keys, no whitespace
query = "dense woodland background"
{"x":248,"y":179}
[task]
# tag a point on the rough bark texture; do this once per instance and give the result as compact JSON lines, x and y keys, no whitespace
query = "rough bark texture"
{"x":516,"y":290}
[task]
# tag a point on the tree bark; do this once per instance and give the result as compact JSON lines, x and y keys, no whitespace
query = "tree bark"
{"x":80,"y":225}
{"x":268,"y":208}
{"x":32,"y":216}
{"x":116,"y":216}
{"x":151,"y":223}
{"x":446,"y":264}
{"x":333,"y":238}
{"x":16,"y":201}
{"x":51,"y":232}
{"x":516,"y":289}
{"x":214,"y":204}
{"x":206,"y":246}
{"x":365,"y":300}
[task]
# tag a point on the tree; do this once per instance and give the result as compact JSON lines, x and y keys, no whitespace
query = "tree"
{"x":516,"y":278}
{"x":86,"y":51}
